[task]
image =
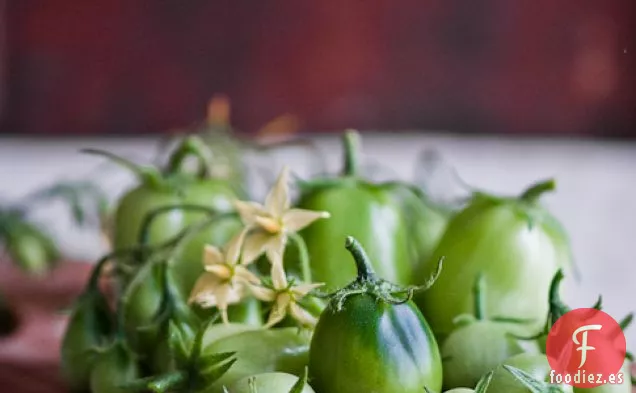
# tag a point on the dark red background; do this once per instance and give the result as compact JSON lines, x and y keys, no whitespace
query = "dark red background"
{"x":563,"y":67}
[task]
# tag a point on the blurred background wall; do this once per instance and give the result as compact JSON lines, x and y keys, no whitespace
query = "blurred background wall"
{"x":525,"y":67}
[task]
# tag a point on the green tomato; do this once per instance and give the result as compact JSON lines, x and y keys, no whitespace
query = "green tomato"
{"x":113,"y":367}
{"x":158,"y":189}
{"x":89,"y":325}
{"x":518,"y":247}
{"x":460,"y":390}
{"x":369,"y":212}
{"x":473,"y":350}
{"x":534,"y":364}
{"x":624,"y":387}
{"x":268,"y":383}
{"x":366,"y":342}
{"x":221,"y":331}
{"x":261,"y":351}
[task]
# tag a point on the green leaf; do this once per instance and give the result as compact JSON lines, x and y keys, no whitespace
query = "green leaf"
{"x":484,"y":382}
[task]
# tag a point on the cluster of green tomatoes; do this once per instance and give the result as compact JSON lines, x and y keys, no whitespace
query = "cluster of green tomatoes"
{"x":350,"y":286}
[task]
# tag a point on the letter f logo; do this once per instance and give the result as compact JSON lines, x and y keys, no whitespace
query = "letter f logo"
{"x":583,"y":344}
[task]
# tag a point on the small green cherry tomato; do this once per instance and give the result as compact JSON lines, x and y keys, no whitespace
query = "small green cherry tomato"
{"x":268,"y":383}
{"x":477,"y":346}
{"x":366,"y":340}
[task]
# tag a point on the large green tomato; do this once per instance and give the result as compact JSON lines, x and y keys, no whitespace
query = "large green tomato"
{"x":391,"y":223}
{"x":366,"y":342}
{"x":517,"y":246}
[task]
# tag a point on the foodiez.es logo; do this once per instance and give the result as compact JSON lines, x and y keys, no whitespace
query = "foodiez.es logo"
{"x":586,"y":348}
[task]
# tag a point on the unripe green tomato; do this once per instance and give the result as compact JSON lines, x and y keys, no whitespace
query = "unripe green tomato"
{"x":460,"y":390}
{"x":474,"y":349}
{"x":370,"y":214}
{"x":517,"y":246}
{"x":112,"y":368}
{"x":268,"y":383}
{"x":261,"y":351}
{"x":373,"y":346}
{"x":221,"y":331}
{"x":534,"y":364}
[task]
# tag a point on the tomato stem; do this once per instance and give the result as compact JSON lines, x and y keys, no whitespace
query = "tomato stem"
{"x":146,"y":175}
{"x":303,"y":255}
{"x":144,"y":232}
{"x":535,"y":191}
{"x":363,"y":264}
{"x":479,"y":297}
{"x":557,"y":307}
{"x":191,"y":146}
{"x":351,"y":142}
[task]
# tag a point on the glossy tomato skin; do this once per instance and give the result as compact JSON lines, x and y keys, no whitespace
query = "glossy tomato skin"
{"x":113,"y":367}
{"x":472,"y":350}
{"x":517,"y":246}
{"x":89,"y":325}
{"x":534,"y":364}
{"x":376,"y":347}
{"x":268,"y":383}
{"x":370,"y":214}
{"x":262,"y":351}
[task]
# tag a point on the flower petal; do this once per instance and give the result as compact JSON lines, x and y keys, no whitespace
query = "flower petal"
{"x":275,"y":248}
{"x":296,"y":219}
{"x":301,"y":315}
{"x":234,"y":247}
{"x":303,"y":289}
{"x":222,"y":271}
{"x":249,"y":211}
{"x":279,"y":279}
{"x":277,"y":201}
{"x":279,"y":309}
{"x":255,"y":244}
{"x":207,"y":282}
{"x":262,"y":293}
{"x":242,"y":274}
{"x":212,"y":256}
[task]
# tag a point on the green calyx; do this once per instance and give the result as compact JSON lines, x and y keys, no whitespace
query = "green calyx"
{"x":197,"y":371}
{"x":535,"y":191}
{"x":368,"y":283}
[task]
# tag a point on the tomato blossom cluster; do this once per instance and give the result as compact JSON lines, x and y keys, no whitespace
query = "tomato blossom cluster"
{"x":267,"y":228}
